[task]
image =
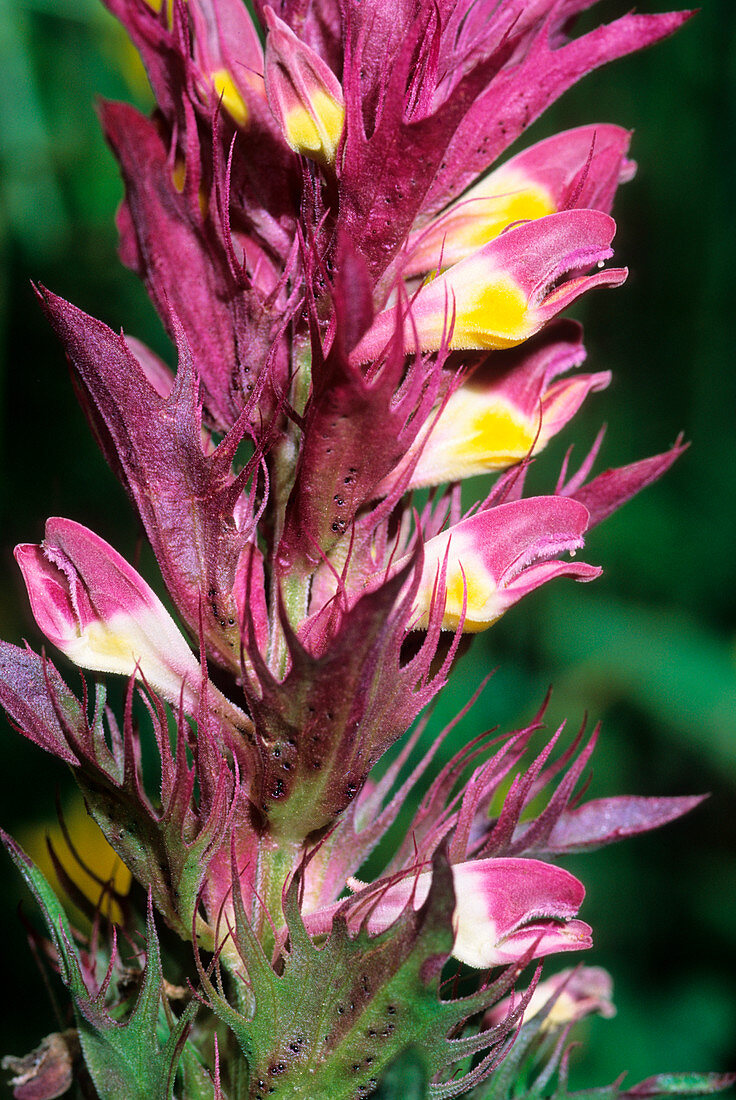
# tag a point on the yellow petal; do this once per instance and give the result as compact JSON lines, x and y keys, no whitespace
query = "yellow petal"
{"x":315,"y":131}
{"x":231,"y":98}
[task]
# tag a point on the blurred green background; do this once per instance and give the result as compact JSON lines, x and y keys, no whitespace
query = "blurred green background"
{"x":649,"y":649}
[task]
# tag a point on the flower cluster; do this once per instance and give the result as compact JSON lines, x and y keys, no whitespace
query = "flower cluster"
{"x":364,"y":316}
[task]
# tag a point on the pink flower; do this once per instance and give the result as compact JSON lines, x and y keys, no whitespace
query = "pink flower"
{"x":577,"y":168}
{"x":503,"y":412}
{"x":485,"y":563}
{"x":504,"y":292}
{"x":98,"y":611}
{"x":504,"y":909}
{"x":575,"y":993}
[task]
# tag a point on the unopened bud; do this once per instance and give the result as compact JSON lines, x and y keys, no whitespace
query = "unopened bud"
{"x":303,"y":93}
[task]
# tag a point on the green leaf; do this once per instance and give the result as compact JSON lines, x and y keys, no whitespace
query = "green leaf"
{"x":131,"y":1059}
{"x":683,"y":1084}
{"x":197,"y":1083}
{"x":337,"y":1015}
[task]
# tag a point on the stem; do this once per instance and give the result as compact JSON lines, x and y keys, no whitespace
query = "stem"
{"x":294,"y":589}
{"x":276,"y":863}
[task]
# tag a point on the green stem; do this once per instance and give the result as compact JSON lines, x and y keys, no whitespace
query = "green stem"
{"x":294,"y":589}
{"x":276,"y":863}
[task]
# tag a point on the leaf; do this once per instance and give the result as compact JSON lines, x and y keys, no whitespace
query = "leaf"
{"x":133,"y":1059}
{"x":682,"y":1084}
{"x":337,"y":1015}
{"x":196,"y":1081}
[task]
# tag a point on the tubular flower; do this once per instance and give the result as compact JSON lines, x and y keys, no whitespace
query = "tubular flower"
{"x":103,"y":616}
{"x":503,"y":293}
{"x":507,"y":409}
{"x":480,"y":567}
{"x":577,"y":168}
{"x":567,"y":997}
{"x":505,"y":910}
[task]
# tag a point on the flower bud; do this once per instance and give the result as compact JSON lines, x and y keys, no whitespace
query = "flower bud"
{"x":577,"y":993}
{"x":303,"y":93}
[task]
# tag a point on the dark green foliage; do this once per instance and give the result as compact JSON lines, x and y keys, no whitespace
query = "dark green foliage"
{"x":131,"y":1053}
{"x":336,"y":1016}
{"x":405,"y":1078}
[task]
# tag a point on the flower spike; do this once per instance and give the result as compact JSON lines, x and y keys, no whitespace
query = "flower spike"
{"x":363,"y":303}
